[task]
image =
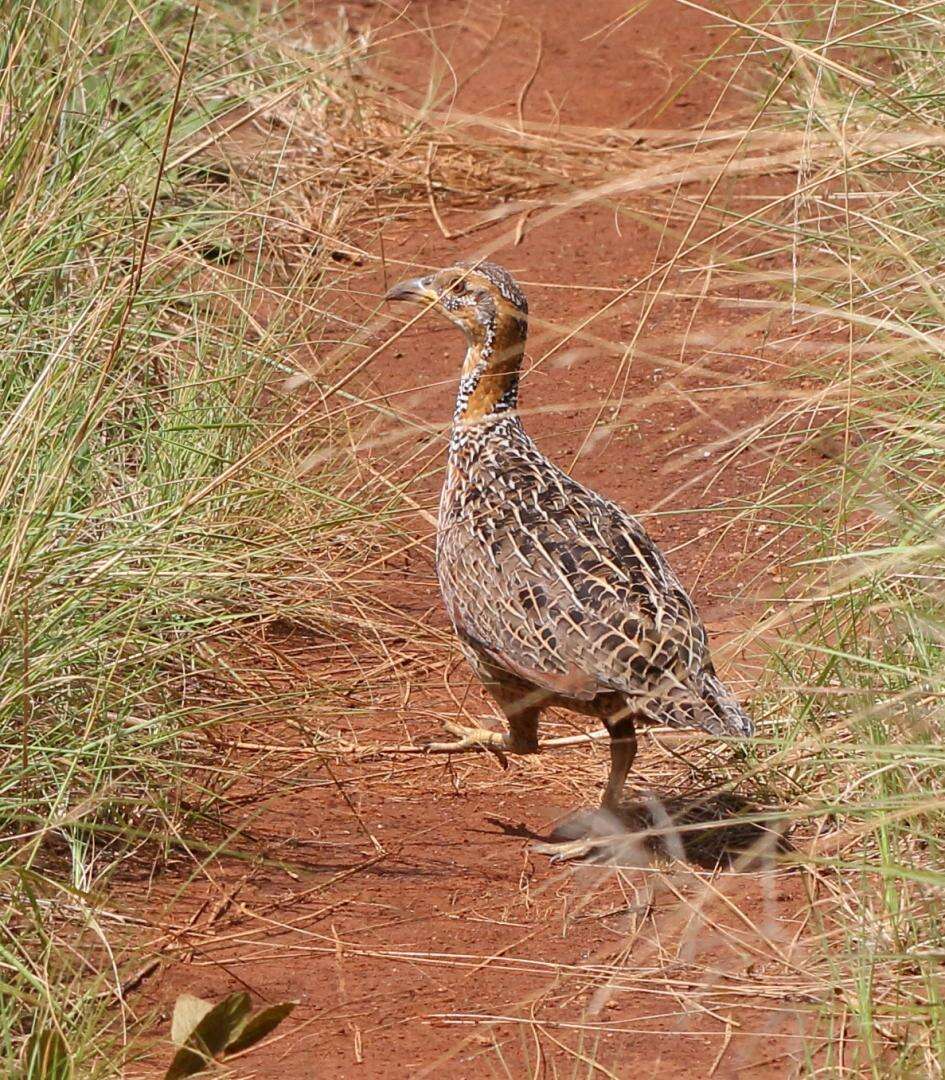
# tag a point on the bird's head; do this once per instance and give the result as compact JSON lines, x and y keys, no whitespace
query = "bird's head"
{"x":482,"y":299}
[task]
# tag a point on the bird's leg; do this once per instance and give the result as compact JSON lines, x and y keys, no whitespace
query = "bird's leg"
{"x":523,"y":730}
{"x":522,"y":708}
{"x":623,"y":749}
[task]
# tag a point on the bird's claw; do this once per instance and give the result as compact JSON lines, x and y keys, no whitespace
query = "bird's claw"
{"x":601,"y":838}
{"x":471,"y":739}
{"x":569,"y":849}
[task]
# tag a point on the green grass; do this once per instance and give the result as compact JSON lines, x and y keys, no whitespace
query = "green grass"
{"x":149,"y":508}
{"x":156,"y":510}
{"x":859,"y":668}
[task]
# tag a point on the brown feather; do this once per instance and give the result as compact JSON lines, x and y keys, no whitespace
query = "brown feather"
{"x":547,"y":580}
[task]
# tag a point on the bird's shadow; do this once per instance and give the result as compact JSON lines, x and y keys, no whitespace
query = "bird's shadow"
{"x":708,"y":829}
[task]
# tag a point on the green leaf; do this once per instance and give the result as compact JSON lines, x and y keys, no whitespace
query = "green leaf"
{"x":209,"y":1038}
{"x":47,"y":1056}
{"x":188,"y":1012}
{"x":186,"y":1062}
{"x":257,"y":1027}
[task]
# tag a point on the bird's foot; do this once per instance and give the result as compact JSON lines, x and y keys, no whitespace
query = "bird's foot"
{"x":596,"y":835}
{"x":619,"y":849}
{"x":566,"y":850}
{"x":472,"y":739}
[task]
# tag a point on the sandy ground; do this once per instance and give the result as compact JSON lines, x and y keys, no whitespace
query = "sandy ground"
{"x":411,"y":920}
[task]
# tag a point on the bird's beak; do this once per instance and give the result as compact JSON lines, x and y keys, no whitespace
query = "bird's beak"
{"x":416,"y":289}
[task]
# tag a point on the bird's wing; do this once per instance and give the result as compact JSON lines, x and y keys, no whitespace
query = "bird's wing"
{"x":565,"y":589}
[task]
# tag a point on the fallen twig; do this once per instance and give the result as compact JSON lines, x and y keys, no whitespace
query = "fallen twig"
{"x":543,"y":744}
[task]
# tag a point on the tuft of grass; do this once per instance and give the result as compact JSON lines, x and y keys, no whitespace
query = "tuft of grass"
{"x":152,"y":504}
{"x":859,"y":667}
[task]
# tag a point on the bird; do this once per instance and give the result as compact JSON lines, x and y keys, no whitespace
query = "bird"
{"x":557,"y":595}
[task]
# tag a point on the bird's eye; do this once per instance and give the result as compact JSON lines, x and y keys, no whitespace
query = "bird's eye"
{"x":459,"y":287}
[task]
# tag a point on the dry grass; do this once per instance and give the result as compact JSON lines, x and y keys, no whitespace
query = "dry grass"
{"x":207,"y":565}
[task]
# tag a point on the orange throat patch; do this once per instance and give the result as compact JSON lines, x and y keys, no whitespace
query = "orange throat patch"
{"x":500,"y":376}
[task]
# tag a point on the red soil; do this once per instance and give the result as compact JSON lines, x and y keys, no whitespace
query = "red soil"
{"x":412,"y":922}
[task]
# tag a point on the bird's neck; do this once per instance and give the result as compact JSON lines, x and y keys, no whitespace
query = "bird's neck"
{"x":489,"y":383}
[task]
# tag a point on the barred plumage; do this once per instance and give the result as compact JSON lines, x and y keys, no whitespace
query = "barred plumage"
{"x":558,"y":596}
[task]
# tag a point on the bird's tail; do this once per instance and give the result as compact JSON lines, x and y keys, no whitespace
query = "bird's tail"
{"x":726,"y":716}
{"x":701,"y":702}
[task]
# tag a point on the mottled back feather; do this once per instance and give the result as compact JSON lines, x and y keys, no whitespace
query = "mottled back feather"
{"x":564,"y":589}
{"x":550,"y":586}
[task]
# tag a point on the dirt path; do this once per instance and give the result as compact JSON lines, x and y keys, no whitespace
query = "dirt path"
{"x":412,"y":922}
